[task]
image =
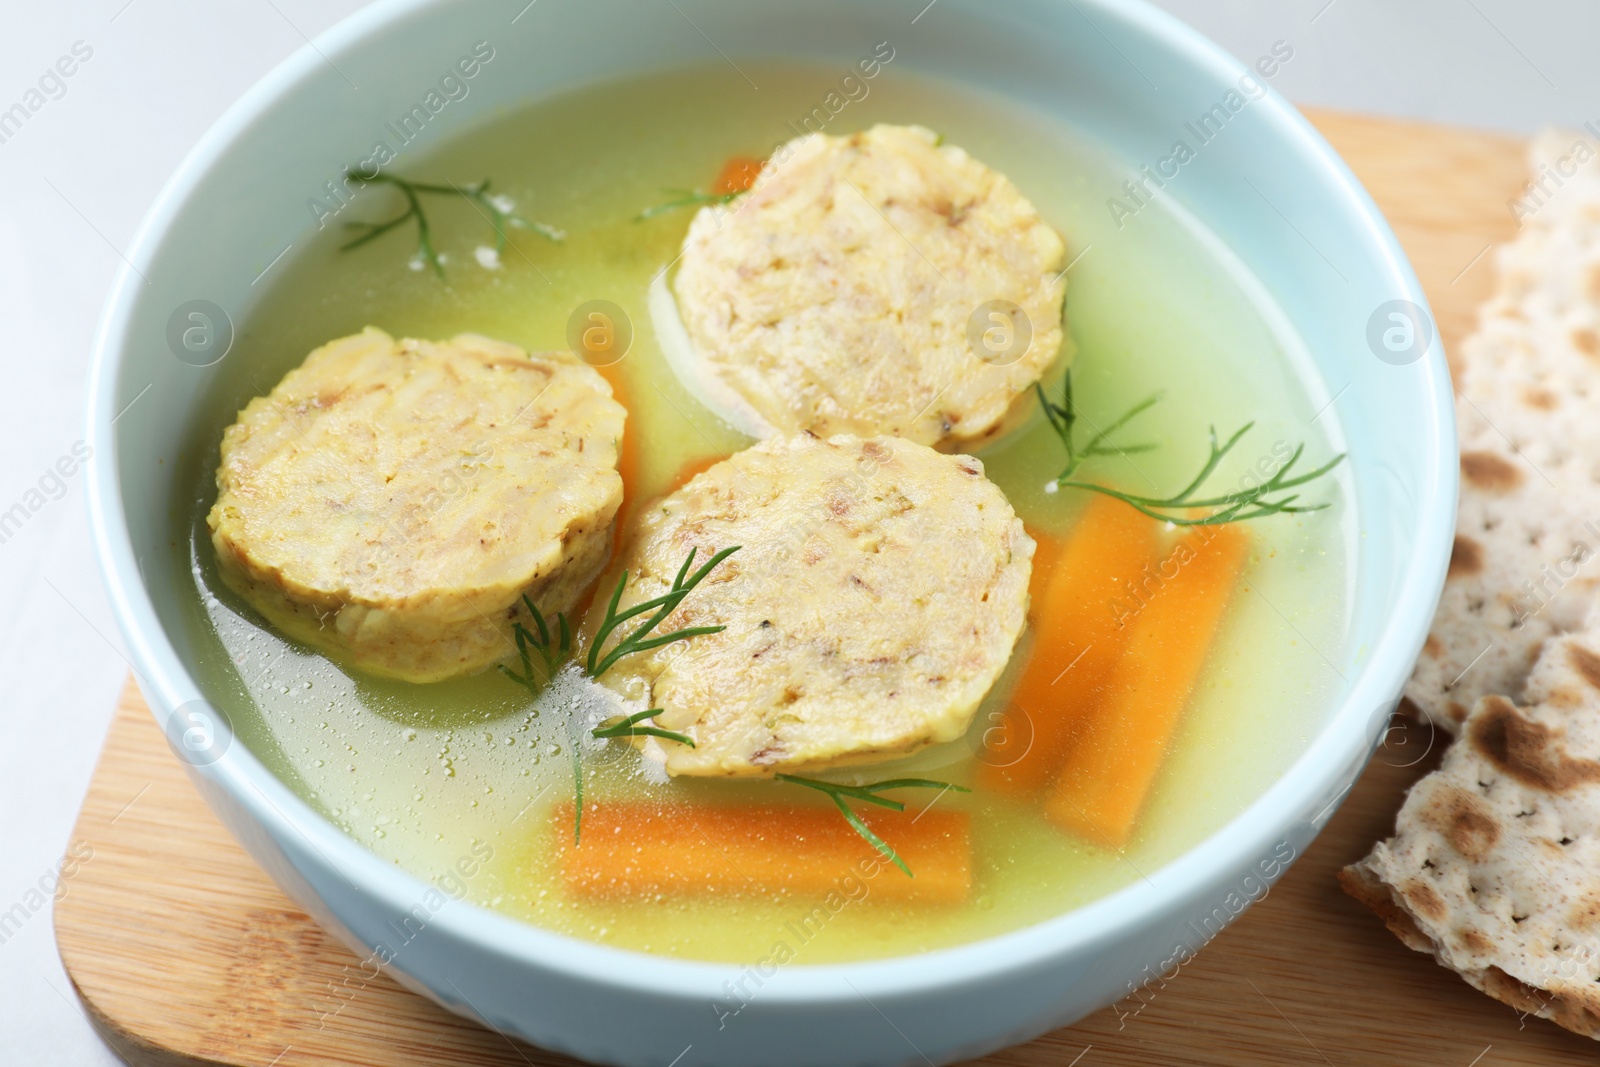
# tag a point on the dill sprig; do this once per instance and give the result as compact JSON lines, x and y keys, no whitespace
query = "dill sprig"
{"x":1063,"y":419}
{"x":639,"y":639}
{"x":552,"y":649}
{"x":476,"y":194}
{"x":1238,"y":506}
{"x":629,"y":727}
{"x":869,"y":794}
{"x":685,"y":198}
{"x":551,"y":653}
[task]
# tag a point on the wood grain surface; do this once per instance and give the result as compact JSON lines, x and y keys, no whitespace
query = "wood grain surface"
{"x":186,"y":954}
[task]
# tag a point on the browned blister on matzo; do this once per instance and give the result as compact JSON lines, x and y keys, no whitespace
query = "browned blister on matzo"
{"x":1494,"y":868}
{"x":1524,"y":566}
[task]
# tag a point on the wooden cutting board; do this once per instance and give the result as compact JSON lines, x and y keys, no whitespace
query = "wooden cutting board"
{"x":186,"y":954}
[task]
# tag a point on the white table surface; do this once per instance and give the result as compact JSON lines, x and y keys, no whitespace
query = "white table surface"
{"x":78,"y":177}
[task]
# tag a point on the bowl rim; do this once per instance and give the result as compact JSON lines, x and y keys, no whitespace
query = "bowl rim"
{"x":1244,"y":838}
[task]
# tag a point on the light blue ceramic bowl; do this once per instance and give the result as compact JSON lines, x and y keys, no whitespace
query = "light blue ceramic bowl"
{"x":1117,"y":69}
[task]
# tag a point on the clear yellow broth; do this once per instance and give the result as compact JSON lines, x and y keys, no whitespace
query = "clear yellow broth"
{"x":428,"y":776}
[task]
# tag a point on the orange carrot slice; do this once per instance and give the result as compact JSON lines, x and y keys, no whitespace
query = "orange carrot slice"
{"x":737,"y":175}
{"x":640,"y":849}
{"x":628,"y":449}
{"x":697,"y":465}
{"x":1113,"y":761}
{"x":1082,"y":590}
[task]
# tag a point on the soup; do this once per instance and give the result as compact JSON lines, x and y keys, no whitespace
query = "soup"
{"x":478,"y":774}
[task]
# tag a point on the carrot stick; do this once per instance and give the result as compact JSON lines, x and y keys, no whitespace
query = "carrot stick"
{"x":628,"y":448}
{"x":1083,"y":588}
{"x":639,"y":849}
{"x":737,"y":175}
{"x":697,"y":465}
{"x":1112,"y":763}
